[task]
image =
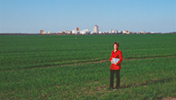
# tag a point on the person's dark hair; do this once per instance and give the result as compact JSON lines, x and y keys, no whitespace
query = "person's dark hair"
{"x":115,"y":43}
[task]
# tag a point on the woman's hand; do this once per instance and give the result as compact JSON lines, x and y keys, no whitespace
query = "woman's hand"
{"x":111,"y":61}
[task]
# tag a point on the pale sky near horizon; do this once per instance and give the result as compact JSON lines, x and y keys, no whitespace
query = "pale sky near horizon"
{"x":30,"y":16}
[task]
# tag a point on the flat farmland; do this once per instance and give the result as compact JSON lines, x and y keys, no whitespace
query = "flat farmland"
{"x":77,"y":66}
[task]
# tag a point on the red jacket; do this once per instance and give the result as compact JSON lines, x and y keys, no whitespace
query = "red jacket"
{"x":116,"y":54}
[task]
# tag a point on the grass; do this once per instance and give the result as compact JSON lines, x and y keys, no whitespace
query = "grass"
{"x":21,"y":52}
{"x":140,"y":79}
{"x":37,"y":71}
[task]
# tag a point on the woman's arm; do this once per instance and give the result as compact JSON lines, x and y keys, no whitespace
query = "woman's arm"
{"x":111,"y":57}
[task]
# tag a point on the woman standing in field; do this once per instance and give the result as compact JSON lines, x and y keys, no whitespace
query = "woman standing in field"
{"x":115,"y":58}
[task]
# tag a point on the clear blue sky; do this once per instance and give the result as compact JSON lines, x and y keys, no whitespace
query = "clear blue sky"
{"x":30,"y":16}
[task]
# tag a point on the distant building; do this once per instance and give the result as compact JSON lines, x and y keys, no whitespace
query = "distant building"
{"x":86,"y":31}
{"x":125,"y":32}
{"x":115,"y":31}
{"x":92,"y":32}
{"x":142,"y":32}
{"x":66,"y":32}
{"x":48,"y":32}
{"x":100,"y":32}
{"x":120,"y":32}
{"x":130,"y":32}
{"x":41,"y":32}
{"x":76,"y":29}
{"x":75,"y":32}
{"x":95,"y":29}
{"x":110,"y":31}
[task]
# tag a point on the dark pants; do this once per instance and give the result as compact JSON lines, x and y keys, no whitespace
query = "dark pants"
{"x":112,"y":72}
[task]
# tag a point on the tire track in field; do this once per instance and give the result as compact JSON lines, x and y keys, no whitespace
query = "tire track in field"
{"x":89,"y":62}
{"x":107,"y":60}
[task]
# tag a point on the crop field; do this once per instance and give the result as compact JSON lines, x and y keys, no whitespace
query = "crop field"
{"x":63,"y":67}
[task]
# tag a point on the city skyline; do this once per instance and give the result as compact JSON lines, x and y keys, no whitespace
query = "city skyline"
{"x":95,"y":31}
{"x":57,"y":15}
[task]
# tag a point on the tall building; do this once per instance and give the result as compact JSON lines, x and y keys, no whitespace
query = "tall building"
{"x":41,"y":32}
{"x":95,"y":29}
{"x":76,"y":29}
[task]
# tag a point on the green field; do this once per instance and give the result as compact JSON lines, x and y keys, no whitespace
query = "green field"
{"x":77,"y":67}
